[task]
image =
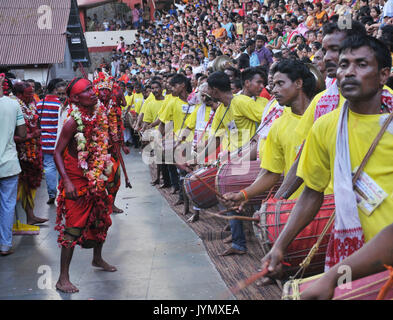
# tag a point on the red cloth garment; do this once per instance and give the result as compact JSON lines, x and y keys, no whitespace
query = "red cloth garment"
{"x":265,"y":94}
{"x":90,"y":212}
{"x":113,"y":183}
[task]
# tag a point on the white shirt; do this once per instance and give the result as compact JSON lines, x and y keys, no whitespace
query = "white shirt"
{"x":11,"y":116}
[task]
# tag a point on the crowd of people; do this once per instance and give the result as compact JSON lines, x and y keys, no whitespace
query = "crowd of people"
{"x":285,"y":83}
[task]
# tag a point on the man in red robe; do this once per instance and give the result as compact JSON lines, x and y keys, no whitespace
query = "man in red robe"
{"x":83,"y":200}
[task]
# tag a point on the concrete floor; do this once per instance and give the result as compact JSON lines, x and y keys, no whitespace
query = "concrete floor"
{"x":157,"y":255}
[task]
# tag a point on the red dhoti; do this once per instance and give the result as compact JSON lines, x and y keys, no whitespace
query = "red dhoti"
{"x":87,"y":218}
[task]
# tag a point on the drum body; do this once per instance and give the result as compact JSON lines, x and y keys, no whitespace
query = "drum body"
{"x":366,"y":288}
{"x":273,"y":216}
{"x":233,"y":177}
{"x":197,"y":192}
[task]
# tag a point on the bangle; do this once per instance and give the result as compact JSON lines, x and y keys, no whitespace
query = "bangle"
{"x":244,"y":194}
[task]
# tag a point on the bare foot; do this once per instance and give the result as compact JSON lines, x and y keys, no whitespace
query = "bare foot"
{"x":66,"y":286}
{"x":104,"y":265}
{"x":36,"y":220}
{"x":116,"y":209}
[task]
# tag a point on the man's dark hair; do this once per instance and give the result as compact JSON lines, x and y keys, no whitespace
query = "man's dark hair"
{"x":295,"y":69}
{"x":261,"y":37}
{"x":243,"y":61}
{"x":52,"y":84}
{"x":156,"y":82}
{"x":237,"y":83}
{"x":382,"y":52}
{"x":249,"y":74}
{"x":19,"y":87}
{"x":61,"y":84}
{"x":355,"y":28}
{"x":219,"y":80}
{"x":181,"y":78}
{"x":387,"y":36}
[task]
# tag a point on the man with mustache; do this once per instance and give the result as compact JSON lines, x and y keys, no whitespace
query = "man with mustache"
{"x":293,"y":86}
{"x":325,"y":101}
{"x":334,"y":149}
{"x":82,"y":159}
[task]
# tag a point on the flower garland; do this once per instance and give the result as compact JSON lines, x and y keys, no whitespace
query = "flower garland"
{"x":93,"y":156}
{"x":116,"y":127}
{"x":30,"y":151}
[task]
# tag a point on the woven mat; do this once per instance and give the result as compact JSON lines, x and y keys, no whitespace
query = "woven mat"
{"x":233,"y":268}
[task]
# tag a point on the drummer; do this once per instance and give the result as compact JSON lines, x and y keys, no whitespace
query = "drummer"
{"x":325,"y":101}
{"x":364,"y":67}
{"x":150,"y":114}
{"x":199,"y":122}
{"x":368,"y":260}
{"x":175,"y":115}
{"x":294,"y":85}
{"x":166,"y":169}
{"x":272,"y":111}
{"x":253,"y":81}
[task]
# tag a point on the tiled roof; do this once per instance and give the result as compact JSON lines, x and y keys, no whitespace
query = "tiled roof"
{"x":26,"y":37}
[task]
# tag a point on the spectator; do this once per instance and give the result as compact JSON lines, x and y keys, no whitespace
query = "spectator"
{"x":12,"y":123}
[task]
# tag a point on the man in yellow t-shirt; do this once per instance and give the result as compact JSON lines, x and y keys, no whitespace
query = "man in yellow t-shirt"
{"x":293,"y":87}
{"x":364,"y":67}
{"x":150,"y":114}
{"x":176,"y":113}
{"x":236,"y":118}
{"x":245,"y":114}
{"x":153,"y":104}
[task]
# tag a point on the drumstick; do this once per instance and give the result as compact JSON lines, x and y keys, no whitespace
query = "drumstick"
{"x":218,"y":215}
{"x":387,"y":286}
{"x":245,"y":283}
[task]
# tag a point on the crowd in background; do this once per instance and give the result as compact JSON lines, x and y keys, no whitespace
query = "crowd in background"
{"x":189,"y":37}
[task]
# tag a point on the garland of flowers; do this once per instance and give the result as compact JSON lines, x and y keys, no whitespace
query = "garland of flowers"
{"x":92,"y":140}
{"x":93,"y":156}
{"x":116,"y":127}
{"x":29,"y":151}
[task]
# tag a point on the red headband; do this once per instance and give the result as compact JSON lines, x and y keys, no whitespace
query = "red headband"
{"x":79,"y":86}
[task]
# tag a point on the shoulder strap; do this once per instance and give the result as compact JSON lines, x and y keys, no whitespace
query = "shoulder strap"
{"x":315,"y":247}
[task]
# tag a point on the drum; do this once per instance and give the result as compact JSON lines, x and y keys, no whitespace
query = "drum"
{"x":274,"y":214}
{"x":233,"y":177}
{"x":366,"y":288}
{"x":197,"y":192}
{"x":129,"y":120}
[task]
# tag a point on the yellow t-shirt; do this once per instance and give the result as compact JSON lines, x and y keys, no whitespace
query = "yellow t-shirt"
{"x":316,"y":166}
{"x":247,"y":115}
{"x":177,"y":111}
{"x":138,"y":101}
{"x":146,"y":102}
{"x":281,"y":147}
{"x":151,"y":108}
{"x":129,"y":100}
{"x":224,"y":128}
